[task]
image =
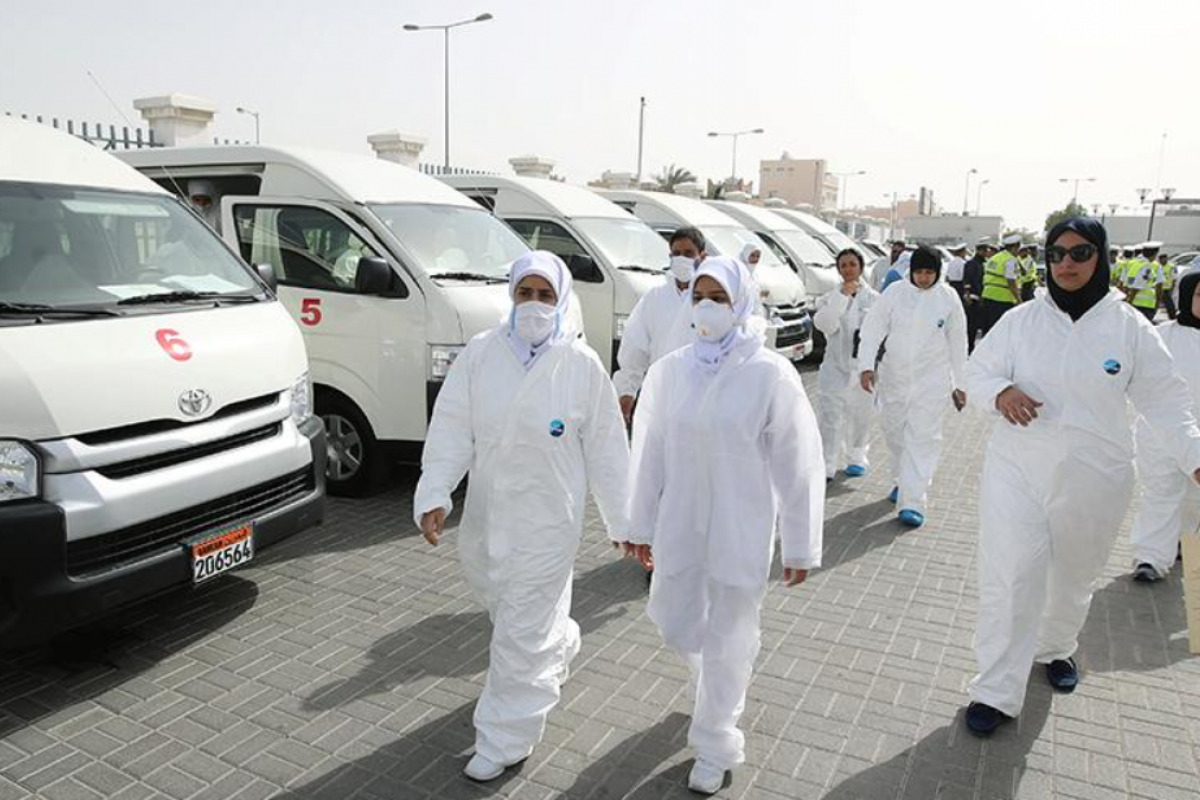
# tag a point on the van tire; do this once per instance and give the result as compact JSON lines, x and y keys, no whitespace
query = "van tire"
{"x":347,"y":433}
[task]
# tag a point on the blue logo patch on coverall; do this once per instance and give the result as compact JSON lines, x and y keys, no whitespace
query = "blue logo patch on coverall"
{"x":1112,"y":366}
{"x":557,"y":428}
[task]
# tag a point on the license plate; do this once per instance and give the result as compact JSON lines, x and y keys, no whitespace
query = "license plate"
{"x":220,"y":553}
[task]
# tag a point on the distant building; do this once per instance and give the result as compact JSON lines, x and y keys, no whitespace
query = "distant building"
{"x":950,"y":228}
{"x":1178,"y":229}
{"x":799,"y":181}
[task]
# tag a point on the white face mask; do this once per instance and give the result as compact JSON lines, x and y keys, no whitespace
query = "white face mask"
{"x":682,"y":268}
{"x":713,"y":321}
{"x":534,"y":322}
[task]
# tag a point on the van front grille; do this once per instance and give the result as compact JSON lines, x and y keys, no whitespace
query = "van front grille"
{"x":136,"y":431}
{"x":140,"y":466}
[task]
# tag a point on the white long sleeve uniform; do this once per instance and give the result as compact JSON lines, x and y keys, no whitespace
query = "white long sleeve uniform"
{"x":660,"y":323}
{"x":843,"y":408}
{"x":1053,"y":494}
{"x":925,"y":360}
{"x":534,"y":442}
{"x":1170,"y":498}
{"x":718,"y":459}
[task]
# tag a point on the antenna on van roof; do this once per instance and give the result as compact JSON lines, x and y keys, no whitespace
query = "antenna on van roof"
{"x":179,"y":189}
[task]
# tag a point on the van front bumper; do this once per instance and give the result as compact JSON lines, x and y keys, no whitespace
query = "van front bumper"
{"x":40,"y":596}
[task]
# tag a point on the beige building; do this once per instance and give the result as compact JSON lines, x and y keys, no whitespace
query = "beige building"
{"x":799,"y":181}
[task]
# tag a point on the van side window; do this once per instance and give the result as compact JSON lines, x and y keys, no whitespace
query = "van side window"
{"x":541,"y":234}
{"x":308,"y":247}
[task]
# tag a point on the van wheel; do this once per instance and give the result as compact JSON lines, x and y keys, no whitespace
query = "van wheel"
{"x":356,"y":466}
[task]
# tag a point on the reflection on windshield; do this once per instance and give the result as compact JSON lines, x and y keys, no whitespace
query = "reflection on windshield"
{"x":808,"y":248}
{"x":626,"y":243}
{"x":451,"y":239}
{"x":729,"y":241}
{"x":66,"y":247}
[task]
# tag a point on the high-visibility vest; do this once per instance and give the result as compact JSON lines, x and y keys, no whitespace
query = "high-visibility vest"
{"x":1028,"y":271}
{"x":995,"y":283}
{"x":1148,"y":297}
{"x":1168,"y":275}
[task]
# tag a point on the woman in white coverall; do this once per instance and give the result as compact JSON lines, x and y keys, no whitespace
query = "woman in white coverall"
{"x":1170,"y":500}
{"x":529,"y":411}
{"x":843,"y":408}
{"x":726,"y":447}
{"x":920,"y":322}
{"x":1059,"y":474}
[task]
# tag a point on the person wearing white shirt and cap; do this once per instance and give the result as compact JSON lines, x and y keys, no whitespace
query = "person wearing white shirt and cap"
{"x":528,"y":410}
{"x":726,"y":455}
{"x":884,"y":265}
{"x":661,"y":320}
{"x":955,"y":266}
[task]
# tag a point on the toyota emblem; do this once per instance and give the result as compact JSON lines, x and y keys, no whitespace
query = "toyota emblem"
{"x":195,"y":402}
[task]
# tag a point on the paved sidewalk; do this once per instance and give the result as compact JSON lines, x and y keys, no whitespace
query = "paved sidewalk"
{"x":346,"y":662}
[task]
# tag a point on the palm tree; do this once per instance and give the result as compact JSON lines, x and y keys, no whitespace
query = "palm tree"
{"x":672,"y":176}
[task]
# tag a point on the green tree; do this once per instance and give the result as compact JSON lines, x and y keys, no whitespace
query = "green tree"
{"x":672,"y":176}
{"x":1072,"y":209}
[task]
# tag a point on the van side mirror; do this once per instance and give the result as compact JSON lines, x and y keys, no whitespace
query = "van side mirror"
{"x":584,"y":268}
{"x":266,"y":274}
{"x":373,"y":276}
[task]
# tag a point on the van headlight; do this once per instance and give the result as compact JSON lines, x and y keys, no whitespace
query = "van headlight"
{"x":20,"y":474}
{"x":441,"y":357}
{"x":302,"y":399}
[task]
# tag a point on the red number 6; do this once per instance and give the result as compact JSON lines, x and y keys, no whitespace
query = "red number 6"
{"x":174,"y":344}
{"x":310,"y":311}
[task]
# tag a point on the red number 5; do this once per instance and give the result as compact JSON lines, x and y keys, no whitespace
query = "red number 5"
{"x":173,"y":344}
{"x":310,"y":311}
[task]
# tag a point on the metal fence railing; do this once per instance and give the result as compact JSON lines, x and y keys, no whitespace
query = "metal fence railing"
{"x":438,"y":170}
{"x":109,"y":137}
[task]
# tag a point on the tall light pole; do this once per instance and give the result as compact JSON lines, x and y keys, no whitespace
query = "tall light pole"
{"x":257,"y":136}
{"x":1077,"y":181}
{"x":446,"y":30}
{"x":844,"y":183}
{"x":734,"y":135}
{"x":641,"y":138}
{"x":967,"y":192}
{"x":979,"y":194}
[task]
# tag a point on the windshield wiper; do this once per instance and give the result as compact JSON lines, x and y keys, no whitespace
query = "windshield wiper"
{"x":638,"y":268}
{"x":184,"y":297}
{"x":40,"y":309}
{"x":467,"y":276}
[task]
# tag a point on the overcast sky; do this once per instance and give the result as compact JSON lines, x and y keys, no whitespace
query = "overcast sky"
{"x":915,"y":93}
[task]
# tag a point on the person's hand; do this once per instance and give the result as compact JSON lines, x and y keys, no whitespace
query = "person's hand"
{"x":850,"y":288}
{"x":641,"y":553}
{"x":960,"y":399}
{"x":867,"y":380}
{"x":1017,"y":407}
{"x":433,"y":524}
{"x":794,"y":577}
{"x":1196,"y":475}
{"x":627,"y":401}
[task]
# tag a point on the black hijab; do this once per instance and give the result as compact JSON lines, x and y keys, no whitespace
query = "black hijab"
{"x":1187,"y":290}
{"x":924,"y":257}
{"x":1077,"y":303}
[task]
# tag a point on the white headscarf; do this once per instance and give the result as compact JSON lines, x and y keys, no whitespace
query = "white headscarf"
{"x":551,"y":267}
{"x":747,"y":251}
{"x":735,"y":279}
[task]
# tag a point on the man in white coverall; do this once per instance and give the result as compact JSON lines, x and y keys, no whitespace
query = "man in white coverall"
{"x":529,"y":411}
{"x":1170,"y":500}
{"x":726,"y":452}
{"x":921,"y":324}
{"x":660,"y":321}
{"x":884,"y":264}
{"x":843,"y":408}
{"x":1058,"y":474}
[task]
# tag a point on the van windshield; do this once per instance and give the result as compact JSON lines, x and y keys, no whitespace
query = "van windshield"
{"x":626,"y":242}
{"x":809,"y":249}
{"x":452,"y":243}
{"x":729,"y":241}
{"x":64,"y":248}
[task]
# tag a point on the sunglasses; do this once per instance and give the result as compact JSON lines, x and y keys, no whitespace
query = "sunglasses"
{"x":1079,"y":253}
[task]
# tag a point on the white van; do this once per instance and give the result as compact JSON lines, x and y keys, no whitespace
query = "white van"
{"x":156,"y":423}
{"x":818,"y":228}
{"x":389,"y":273}
{"x":808,"y":258}
{"x":790,"y":330}
{"x":615,"y":258}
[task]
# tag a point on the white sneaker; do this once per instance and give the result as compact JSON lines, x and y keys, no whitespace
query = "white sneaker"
{"x":483,"y":769}
{"x":706,"y":778}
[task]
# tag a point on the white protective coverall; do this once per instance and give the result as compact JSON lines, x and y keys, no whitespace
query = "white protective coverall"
{"x":1053,"y":494}
{"x":925,"y":359}
{"x":535,"y":439}
{"x":722,"y":453}
{"x":660,"y":323}
{"x":843,"y":408}
{"x":1170,"y":499}
{"x":884,"y":265}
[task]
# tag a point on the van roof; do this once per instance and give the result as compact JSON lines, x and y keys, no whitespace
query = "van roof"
{"x":811,"y":220}
{"x":34,"y":153}
{"x":695,"y":212}
{"x":559,"y":198}
{"x":764,"y":218}
{"x":360,"y":178}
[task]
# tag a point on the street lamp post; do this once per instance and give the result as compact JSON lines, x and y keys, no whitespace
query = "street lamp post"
{"x":255,"y":114}
{"x":967,"y":192}
{"x":734,"y":135}
{"x":1077,"y":181}
{"x":979,"y":194}
{"x":844,"y":184}
{"x":446,"y":30}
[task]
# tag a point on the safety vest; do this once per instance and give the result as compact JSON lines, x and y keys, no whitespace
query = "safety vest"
{"x":1148,"y":297}
{"x":1168,"y":275}
{"x":1028,"y":272}
{"x":995,"y":284}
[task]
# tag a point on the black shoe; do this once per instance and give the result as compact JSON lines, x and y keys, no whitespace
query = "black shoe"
{"x":1145,"y":573}
{"x":1063,"y":675}
{"x":982,"y":719}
